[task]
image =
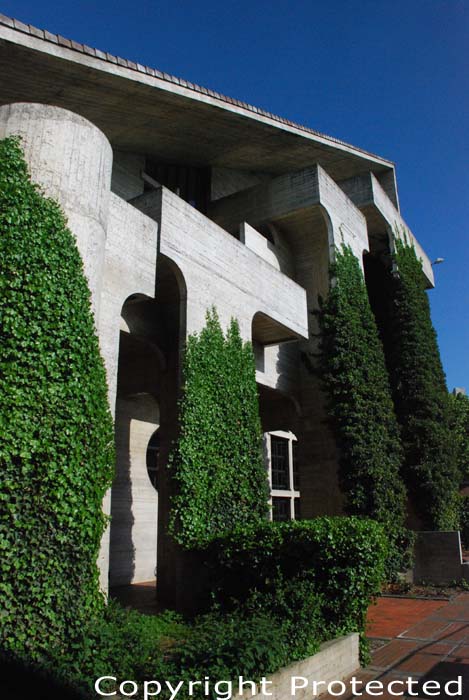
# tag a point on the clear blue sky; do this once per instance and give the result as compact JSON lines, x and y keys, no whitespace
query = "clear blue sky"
{"x":389,"y":76}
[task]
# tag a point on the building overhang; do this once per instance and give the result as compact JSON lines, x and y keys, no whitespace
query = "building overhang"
{"x":144,"y":111}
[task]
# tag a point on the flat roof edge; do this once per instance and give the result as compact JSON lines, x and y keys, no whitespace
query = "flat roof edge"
{"x":62,"y":42}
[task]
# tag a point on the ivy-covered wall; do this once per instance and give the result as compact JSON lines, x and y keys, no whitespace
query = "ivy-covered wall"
{"x":420,"y":396}
{"x":459,"y":420}
{"x":56,"y":454}
{"x":354,"y":374}
{"x":217,"y":464}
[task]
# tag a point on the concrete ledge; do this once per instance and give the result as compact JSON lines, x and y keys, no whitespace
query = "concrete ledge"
{"x":335,"y":661}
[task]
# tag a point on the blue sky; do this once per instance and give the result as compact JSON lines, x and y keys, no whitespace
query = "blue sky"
{"x":391,"y":77}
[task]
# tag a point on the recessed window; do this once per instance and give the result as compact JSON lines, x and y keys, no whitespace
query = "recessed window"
{"x":279,"y":462}
{"x":284,"y":481}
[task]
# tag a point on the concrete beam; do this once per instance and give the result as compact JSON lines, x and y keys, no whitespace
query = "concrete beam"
{"x":381,"y":214}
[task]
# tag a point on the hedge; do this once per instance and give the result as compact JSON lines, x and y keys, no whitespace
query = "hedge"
{"x":339,"y":560}
{"x":56,"y":454}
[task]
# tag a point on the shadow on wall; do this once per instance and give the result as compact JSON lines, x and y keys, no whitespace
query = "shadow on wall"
{"x":134,"y":499}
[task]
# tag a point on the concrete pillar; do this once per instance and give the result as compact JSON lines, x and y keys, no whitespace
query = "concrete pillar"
{"x":72,"y":161}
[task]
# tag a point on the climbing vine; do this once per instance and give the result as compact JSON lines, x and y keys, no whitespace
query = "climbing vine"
{"x":420,"y":395}
{"x":217,"y":464}
{"x":353,"y":371}
{"x":56,"y":451}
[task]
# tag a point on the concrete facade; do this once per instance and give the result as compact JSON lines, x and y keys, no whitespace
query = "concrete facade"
{"x":181,"y":199}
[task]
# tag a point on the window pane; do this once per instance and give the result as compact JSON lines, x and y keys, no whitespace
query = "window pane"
{"x":281,"y":509}
{"x":296,"y":470}
{"x":279,"y":460}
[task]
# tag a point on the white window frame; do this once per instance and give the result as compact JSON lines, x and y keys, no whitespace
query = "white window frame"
{"x":290,"y":493}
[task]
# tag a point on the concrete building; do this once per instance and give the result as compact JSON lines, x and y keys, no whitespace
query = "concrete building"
{"x":180,"y":199}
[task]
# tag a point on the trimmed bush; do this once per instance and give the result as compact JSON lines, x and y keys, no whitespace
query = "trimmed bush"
{"x":217,"y":465}
{"x":56,"y":455}
{"x":338,"y":560}
{"x":353,"y":371}
{"x":420,"y":396}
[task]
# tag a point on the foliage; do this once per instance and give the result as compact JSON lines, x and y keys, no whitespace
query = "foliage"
{"x":226,"y":645}
{"x":420,"y":396}
{"x":120,"y":642}
{"x":217,"y":464}
{"x":354,"y":374}
{"x":459,"y":421}
{"x":57,"y":439}
{"x":280,"y":589}
{"x":339,"y":561}
{"x":126,"y":644}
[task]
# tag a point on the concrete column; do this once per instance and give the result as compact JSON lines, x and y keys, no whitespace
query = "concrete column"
{"x":72,"y":161}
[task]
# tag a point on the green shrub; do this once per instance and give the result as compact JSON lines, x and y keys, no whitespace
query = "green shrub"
{"x":56,"y":455}
{"x":420,"y":396}
{"x":355,"y":379}
{"x":339,"y":560}
{"x":217,"y":464}
{"x":225,"y":645}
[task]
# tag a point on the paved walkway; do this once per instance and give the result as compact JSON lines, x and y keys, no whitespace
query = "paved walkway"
{"x":422,"y":640}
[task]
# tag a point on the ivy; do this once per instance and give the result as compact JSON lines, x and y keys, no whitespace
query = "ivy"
{"x":217,"y":464}
{"x":420,"y":396}
{"x":353,"y":371}
{"x":459,"y":420}
{"x":56,"y":453}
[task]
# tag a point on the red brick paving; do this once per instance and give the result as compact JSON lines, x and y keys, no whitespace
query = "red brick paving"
{"x":391,"y":653}
{"x":392,"y":616}
{"x":424,"y":640}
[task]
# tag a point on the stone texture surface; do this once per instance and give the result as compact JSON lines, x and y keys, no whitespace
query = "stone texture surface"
{"x":335,"y":661}
{"x":72,"y":161}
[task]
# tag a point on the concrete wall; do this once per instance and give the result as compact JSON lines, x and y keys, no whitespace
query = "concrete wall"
{"x":275,"y":253}
{"x":134,"y":506}
{"x":438,"y":558}
{"x":219,"y":270}
{"x":127,"y":180}
{"x":225,"y":181}
{"x":129,"y":268}
{"x":336,"y":661}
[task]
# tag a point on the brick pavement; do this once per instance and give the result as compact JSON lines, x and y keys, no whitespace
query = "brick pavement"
{"x":421,"y":639}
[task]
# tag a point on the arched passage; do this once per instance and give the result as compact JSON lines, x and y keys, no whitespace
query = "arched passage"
{"x":134,"y":501}
{"x":151,"y":337}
